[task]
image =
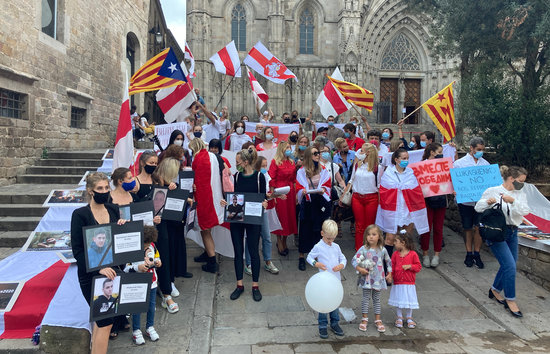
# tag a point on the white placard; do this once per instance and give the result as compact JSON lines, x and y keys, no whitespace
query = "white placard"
{"x":253,"y":209}
{"x":127,"y":242}
{"x":132,"y":293}
{"x":174,"y":204}
{"x":186,"y":184}
{"x":147,"y":218}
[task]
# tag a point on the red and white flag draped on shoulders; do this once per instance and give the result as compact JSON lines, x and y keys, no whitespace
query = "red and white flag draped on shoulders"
{"x":208,"y":193}
{"x":401,"y":202}
{"x":303,"y":185}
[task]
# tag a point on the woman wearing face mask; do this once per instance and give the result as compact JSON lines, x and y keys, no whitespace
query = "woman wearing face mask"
{"x":267,"y":136}
{"x":365,"y":180}
{"x":414,"y":144}
{"x":402,"y":203}
{"x":282,"y":172}
{"x":96,"y":212}
{"x":293,"y":140}
{"x":436,"y":207}
{"x":125,"y":187}
{"x":238,"y":138}
{"x":177,"y":139}
{"x":332,"y":168}
{"x":313,"y":196}
{"x":514,"y":206}
{"x":387,"y":136}
{"x":303,"y":143}
{"x":148,"y":162}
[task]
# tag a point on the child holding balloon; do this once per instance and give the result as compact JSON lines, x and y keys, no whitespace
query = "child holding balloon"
{"x":369,"y":263}
{"x":406,"y":264}
{"x":327,"y":256}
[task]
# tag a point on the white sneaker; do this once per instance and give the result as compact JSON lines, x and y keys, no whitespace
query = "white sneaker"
{"x":137,"y":337}
{"x":426,"y":261}
{"x":152,"y":334}
{"x":175,"y":292}
{"x":435,"y":261}
{"x":271,"y":268}
{"x":248,"y":270}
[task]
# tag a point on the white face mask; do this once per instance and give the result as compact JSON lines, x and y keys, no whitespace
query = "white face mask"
{"x":269,"y":136}
{"x":239,"y":130}
{"x":360,"y":156}
{"x":178,"y":142}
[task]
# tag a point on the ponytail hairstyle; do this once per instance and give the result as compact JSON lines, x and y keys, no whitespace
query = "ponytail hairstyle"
{"x":396,"y":155}
{"x":248,"y":155}
{"x":92,"y":180}
{"x":119,"y":175}
{"x":512,"y":171}
{"x":428,"y":150}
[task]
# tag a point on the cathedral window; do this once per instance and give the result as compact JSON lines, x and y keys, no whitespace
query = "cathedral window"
{"x":400,"y":55}
{"x":49,"y":18}
{"x":306,"y":32}
{"x":238,"y":27}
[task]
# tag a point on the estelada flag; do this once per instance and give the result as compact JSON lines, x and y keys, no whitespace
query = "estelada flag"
{"x":266,"y":64}
{"x":161,"y":71}
{"x":354,"y":94}
{"x":441,"y":110}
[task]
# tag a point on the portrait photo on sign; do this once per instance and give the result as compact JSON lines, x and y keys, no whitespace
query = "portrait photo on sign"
{"x":48,"y":241}
{"x":234,"y":211}
{"x":105,"y":297}
{"x":125,"y":212}
{"x":67,"y":197}
{"x":159,"y":198}
{"x":99,"y":250}
{"x":9,"y":291}
{"x":108,"y":154}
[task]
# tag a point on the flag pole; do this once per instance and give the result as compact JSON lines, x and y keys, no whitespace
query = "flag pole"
{"x":224,"y":91}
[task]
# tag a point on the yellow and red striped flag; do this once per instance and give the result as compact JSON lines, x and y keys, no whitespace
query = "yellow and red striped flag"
{"x":441,"y":110}
{"x":354,"y":94}
{"x":161,"y":71}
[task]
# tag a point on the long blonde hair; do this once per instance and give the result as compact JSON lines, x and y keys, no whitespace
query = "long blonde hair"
{"x":372,"y":158}
{"x":280,"y":153}
{"x":167,"y":170}
{"x":197,"y":145}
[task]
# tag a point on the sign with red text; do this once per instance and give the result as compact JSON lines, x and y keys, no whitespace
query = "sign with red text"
{"x":434,"y":176}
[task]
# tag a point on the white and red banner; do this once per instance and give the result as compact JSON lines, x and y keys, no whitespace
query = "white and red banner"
{"x":280,"y":131}
{"x":266,"y":64}
{"x":175,"y":101}
{"x":227,"y":60}
{"x":189,"y":56}
{"x":540,"y":208}
{"x":330,"y":100}
{"x":260,"y":97}
{"x":434,"y":176}
{"x":124,"y":143}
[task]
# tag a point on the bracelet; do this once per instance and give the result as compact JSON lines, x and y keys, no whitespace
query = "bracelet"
{"x":314,"y":263}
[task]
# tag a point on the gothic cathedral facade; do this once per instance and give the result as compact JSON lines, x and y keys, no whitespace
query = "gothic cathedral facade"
{"x":375,"y":43}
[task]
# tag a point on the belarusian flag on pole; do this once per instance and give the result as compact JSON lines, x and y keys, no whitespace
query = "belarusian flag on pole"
{"x":124,"y":143}
{"x":441,"y":109}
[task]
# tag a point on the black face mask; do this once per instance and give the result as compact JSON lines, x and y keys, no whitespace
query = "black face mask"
{"x":149,"y":169}
{"x":287,"y":120}
{"x":518,"y":185}
{"x":440,"y":156}
{"x":197,"y":134}
{"x":293,"y":138}
{"x":101,"y":198}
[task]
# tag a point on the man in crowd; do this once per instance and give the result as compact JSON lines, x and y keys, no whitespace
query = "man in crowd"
{"x":105,"y":304}
{"x":333,"y":133}
{"x":354,"y":142}
{"x":344,"y":158}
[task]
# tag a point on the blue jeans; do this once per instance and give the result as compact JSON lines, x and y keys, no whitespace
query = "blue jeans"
{"x":136,"y":317}
{"x":506,"y":253}
{"x":334,"y":319}
{"x":266,"y":242}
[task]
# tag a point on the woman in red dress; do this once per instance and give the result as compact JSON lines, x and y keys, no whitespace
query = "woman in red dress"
{"x":283,"y":174}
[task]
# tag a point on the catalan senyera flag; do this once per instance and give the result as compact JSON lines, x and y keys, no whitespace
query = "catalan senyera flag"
{"x":161,"y":71}
{"x":441,"y":110}
{"x":354,"y":94}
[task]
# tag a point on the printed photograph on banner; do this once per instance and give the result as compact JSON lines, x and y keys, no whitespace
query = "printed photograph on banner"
{"x":234,"y":209}
{"x":66,"y":256}
{"x":105,"y":297}
{"x":48,"y":241}
{"x":99,"y":250}
{"x":125,"y":212}
{"x":9,"y":291}
{"x":83,"y":179}
{"x":159,"y":199}
{"x":67,"y":197}
{"x":108,"y":154}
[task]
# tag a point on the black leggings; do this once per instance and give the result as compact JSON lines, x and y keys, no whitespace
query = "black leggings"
{"x":253,"y":238}
{"x":165,"y":279}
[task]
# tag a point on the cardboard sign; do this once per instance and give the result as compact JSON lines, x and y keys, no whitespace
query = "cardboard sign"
{"x":174,"y":206}
{"x":163,"y":132}
{"x":434,"y":176}
{"x":470,"y":182}
{"x":244,"y":208}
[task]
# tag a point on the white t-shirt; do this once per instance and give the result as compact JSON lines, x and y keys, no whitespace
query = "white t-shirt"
{"x":237,"y":141}
{"x":211,"y":131}
{"x":224,"y":126}
{"x":133,"y":122}
{"x":364,"y":182}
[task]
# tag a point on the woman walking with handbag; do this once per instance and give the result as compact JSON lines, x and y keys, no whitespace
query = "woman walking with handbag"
{"x":514,"y":205}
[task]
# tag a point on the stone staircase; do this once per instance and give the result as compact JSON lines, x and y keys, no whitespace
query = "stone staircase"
{"x":21,"y":203}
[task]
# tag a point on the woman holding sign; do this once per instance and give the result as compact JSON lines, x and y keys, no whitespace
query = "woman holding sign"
{"x":436,"y":207}
{"x":514,"y":206}
{"x":96,"y":212}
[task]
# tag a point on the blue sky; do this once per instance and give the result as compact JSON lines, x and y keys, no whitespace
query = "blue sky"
{"x":175,"y":15}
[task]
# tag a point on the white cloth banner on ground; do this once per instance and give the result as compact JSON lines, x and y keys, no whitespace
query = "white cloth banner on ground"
{"x":222,"y":240}
{"x":56,"y":219}
{"x":163,"y":132}
{"x":416,"y":155}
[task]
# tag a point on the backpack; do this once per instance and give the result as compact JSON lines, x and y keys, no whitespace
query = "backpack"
{"x":492,"y":224}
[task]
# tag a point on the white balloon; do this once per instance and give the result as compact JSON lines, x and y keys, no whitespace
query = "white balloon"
{"x":324,"y":292}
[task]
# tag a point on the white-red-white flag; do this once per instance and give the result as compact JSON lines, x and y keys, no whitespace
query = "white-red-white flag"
{"x":123,"y":155}
{"x":175,"y":101}
{"x":266,"y":64}
{"x":189,"y":56}
{"x":330,"y":100}
{"x":260,"y":97}
{"x":227,"y":60}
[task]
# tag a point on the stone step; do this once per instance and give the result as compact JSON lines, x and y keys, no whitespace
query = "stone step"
{"x":23,"y":223}
{"x":49,"y":179}
{"x":144,"y":145}
{"x":13,"y":238}
{"x":23,"y":198}
{"x":92,"y":164}
{"x":22,"y":210}
{"x":71,"y":155}
{"x":54,"y":170}
{"x":32,"y":193}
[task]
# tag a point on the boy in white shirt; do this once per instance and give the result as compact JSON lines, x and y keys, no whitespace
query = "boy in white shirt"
{"x":327,"y":256}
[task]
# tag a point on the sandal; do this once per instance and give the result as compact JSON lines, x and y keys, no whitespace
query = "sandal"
{"x":399,"y":322}
{"x":172,"y":308}
{"x":410,"y":323}
{"x":380,"y":326}
{"x":113,"y":335}
{"x":363,"y":324}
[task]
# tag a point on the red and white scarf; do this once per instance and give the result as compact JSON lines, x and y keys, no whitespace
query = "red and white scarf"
{"x":303,"y":185}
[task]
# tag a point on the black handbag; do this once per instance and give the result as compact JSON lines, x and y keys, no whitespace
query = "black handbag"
{"x":492,"y":224}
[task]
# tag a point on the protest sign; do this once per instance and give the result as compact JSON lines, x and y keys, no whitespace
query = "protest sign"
{"x":470,"y":182}
{"x":163,"y":132}
{"x":244,"y":208}
{"x":433,"y":176}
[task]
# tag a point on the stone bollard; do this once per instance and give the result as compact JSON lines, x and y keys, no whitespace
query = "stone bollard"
{"x":54,"y":339}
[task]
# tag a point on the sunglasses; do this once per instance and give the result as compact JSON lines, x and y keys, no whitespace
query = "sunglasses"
{"x":316,"y":153}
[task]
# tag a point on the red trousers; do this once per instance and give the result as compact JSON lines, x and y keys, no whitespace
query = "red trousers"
{"x":436,"y":218}
{"x":364,"y":208}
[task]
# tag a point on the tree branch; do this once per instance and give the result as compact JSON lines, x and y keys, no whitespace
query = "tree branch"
{"x":509,"y":62}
